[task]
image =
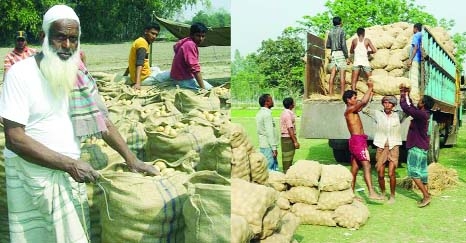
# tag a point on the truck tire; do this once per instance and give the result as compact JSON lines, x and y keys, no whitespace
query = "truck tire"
{"x":434,"y":144}
{"x":341,"y":153}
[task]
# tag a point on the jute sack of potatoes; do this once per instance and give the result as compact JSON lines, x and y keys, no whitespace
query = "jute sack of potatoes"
{"x":283,"y":202}
{"x":288,"y":225}
{"x":380,"y":60}
{"x":277,"y":181}
{"x":334,"y":199}
{"x":207,"y":213}
{"x":395,"y":60}
{"x":186,"y":100}
{"x":240,"y":231}
{"x":303,"y":194}
{"x":94,"y":199}
{"x":304,"y":173}
{"x":399,"y":72}
{"x":251,"y":201}
{"x":161,"y":113}
{"x":400,"y":42}
{"x":236,"y":133}
{"x":216,"y":156}
{"x":270,"y":222}
{"x":309,"y":214}
{"x":386,"y":85}
{"x":258,"y":164}
{"x":173,"y":146}
{"x":352,"y":215}
{"x":335,"y":178}
{"x":240,"y":163}
{"x":275,"y":238}
{"x":141,"y":208}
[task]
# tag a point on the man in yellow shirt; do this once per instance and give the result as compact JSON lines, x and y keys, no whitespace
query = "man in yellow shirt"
{"x":138,"y":62}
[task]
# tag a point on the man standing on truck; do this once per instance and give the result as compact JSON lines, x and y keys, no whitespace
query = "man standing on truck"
{"x":358,"y":141}
{"x":360,"y":48}
{"x":414,"y":60}
{"x":387,"y":139}
{"x":336,"y":41}
{"x":417,"y":140}
{"x":266,"y":131}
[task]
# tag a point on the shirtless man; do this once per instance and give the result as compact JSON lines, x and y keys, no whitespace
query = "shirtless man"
{"x":358,"y":141}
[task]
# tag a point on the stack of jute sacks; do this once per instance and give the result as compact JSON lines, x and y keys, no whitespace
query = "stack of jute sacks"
{"x":393,"y":43}
{"x":255,"y":215}
{"x":319,"y":194}
{"x":180,"y":133}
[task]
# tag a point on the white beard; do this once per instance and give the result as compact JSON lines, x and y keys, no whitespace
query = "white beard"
{"x":61,"y":75}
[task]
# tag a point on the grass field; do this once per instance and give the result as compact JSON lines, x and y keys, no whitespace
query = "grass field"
{"x":402,"y":222}
{"x":113,"y":58}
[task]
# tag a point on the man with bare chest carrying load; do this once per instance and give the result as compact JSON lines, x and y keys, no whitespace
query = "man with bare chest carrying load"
{"x":358,"y":140}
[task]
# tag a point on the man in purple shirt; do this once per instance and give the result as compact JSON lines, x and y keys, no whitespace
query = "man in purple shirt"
{"x":186,"y":70}
{"x":417,"y":141}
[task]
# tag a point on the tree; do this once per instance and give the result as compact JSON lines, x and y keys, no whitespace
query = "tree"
{"x":365,"y":13}
{"x":220,"y":18}
{"x":246,"y":80}
{"x":101,"y":20}
{"x":281,"y":61}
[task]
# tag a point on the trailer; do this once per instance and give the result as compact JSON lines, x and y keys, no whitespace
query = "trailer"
{"x":323,"y":118}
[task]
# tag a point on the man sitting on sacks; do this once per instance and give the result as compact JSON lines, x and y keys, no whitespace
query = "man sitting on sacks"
{"x":48,"y":103}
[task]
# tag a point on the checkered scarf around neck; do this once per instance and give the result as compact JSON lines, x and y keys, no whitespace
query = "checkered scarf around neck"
{"x":88,"y":120}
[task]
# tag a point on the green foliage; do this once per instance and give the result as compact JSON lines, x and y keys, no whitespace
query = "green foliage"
{"x":246,"y":80}
{"x":460,"y":42}
{"x":364,"y":13}
{"x":277,"y":68}
{"x":281,"y":61}
{"x":220,"y":18}
{"x":101,"y":20}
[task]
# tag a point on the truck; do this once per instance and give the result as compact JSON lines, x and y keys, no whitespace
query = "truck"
{"x":322,"y":118}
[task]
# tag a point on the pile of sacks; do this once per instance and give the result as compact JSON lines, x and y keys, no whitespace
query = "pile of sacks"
{"x":319,"y":194}
{"x":180,"y":133}
{"x":393,"y":43}
{"x":268,"y":206}
{"x":255,"y":215}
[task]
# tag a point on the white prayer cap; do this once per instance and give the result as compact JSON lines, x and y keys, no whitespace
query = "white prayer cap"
{"x":55,"y":13}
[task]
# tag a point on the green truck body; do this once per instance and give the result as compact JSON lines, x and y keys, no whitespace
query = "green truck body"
{"x":440,"y":79}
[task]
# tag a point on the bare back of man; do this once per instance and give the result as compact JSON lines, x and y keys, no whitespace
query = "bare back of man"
{"x":358,"y":141}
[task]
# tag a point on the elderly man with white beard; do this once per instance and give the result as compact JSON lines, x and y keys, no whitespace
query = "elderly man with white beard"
{"x":48,"y":103}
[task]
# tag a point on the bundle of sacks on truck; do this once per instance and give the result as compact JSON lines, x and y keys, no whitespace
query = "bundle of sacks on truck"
{"x":393,"y":43}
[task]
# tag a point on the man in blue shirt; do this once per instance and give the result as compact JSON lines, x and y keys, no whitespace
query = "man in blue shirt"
{"x":414,"y":60}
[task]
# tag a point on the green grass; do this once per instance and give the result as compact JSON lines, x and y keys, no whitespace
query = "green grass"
{"x":442,"y":221}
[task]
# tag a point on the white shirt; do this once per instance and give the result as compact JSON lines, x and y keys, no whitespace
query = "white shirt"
{"x":27,"y":100}
{"x":360,"y":54}
{"x":388,"y":128}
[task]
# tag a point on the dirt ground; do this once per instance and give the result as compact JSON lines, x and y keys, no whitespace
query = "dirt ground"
{"x":113,"y":58}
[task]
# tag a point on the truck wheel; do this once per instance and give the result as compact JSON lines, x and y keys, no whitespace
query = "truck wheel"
{"x":341,"y":155}
{"x":340,"y":150}
{"x":434,"y":145}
